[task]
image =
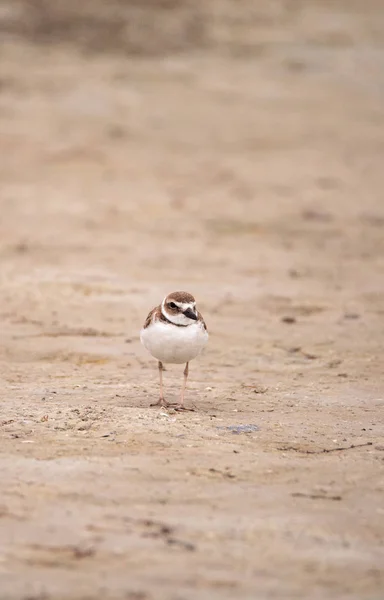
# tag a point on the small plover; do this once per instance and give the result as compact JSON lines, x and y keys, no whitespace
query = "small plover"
{"x":174,"y":332}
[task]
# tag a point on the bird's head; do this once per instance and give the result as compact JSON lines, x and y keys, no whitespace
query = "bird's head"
{"x":179,"y":308}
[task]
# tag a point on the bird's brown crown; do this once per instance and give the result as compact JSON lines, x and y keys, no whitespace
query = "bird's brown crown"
{"x":184,"y":297}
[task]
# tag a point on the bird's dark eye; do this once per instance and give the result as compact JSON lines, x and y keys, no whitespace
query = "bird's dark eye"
{"x":172,"y":305}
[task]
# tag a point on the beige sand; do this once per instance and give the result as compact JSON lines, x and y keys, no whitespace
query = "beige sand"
{"x":254,"y":179}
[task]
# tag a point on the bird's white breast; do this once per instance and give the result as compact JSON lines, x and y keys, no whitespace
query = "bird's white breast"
{"x":171,"y":344}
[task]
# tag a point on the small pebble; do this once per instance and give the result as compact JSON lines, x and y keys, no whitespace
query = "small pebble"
{"x":289,"y":320}
{"x":237,"y":429}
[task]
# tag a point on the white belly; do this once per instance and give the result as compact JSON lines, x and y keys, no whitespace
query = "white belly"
{"x":172,"y":344}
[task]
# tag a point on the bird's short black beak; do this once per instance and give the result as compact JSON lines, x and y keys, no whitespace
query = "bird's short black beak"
{"x":190,"y":314}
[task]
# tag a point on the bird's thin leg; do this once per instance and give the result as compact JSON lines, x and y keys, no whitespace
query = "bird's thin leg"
{"x":161,"y":401}
{"x":186,"y":370}
{"x":181,"y":406}
{"x":161,"y":380}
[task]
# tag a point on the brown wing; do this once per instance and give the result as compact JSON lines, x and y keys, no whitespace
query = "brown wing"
{"x":200,"y":316}
{"x":149,"y":318}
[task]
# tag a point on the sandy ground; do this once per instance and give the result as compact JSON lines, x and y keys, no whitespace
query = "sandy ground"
{"x":256,"y":183}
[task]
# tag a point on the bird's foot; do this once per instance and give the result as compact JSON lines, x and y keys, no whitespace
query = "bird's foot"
{"x":163,"y":403}
{"x":178,"y":407}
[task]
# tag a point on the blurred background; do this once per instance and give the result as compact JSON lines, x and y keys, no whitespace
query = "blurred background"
{"x":233,"y":149}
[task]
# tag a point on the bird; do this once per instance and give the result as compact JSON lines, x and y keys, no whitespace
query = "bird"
{"x":174,"y":332}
